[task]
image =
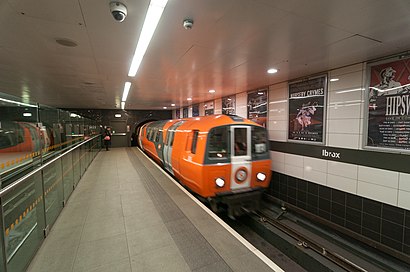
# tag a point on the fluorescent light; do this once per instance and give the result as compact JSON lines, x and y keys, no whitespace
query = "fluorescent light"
{"x":211,"y":91}
{"x":172,"y":105}
{"x":117,"y":115}
{"x":154,"y":13}
{"x":272,"y":71}
{"x":123,"y":105}
{"x":27,"y":114}
{"x":18,"y":103}
{"x":189,"y":99}
{"x":333,"y":79}
{"x":164,"y":108}
{"x":127,"y":87}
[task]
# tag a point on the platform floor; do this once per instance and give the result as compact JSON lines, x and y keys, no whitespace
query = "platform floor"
{"x":127,"y":215}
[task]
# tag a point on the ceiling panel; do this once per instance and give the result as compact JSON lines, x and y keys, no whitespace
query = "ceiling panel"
{"x":229,"y":48}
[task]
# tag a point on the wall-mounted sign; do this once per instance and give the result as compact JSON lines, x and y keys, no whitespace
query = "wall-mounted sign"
{"x":258,"y":106}
{"x":389,"y":105}
{"x":228,"y":105}
{"x":306,"y":109}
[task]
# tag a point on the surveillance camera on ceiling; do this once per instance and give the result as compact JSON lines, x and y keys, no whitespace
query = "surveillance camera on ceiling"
{"x":188,"y":23}
{"x":118,"y":11}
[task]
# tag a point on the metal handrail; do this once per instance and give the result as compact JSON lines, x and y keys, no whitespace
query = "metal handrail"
{"x":21,"y":180}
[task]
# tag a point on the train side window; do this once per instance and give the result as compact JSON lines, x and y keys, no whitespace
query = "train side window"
{"x":158,"y":136}
{"x":194,"y":141}
{"x":218,"y":143}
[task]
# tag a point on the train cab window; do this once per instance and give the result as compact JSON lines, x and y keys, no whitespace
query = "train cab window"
{"x":194,"y":141}
{"x":241,"y":148}
{"x":218,"y":143}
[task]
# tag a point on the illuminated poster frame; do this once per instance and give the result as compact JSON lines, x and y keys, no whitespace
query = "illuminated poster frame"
{"x":258,"y":106}
{"x":307,"y":110}
{"x":387,"y":111}
{"x":195,"y":110}
{"x":229,"y":105}
{"x":209,"y":108}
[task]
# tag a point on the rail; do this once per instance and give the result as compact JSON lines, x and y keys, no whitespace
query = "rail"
{"x":309,"y":243}
{"x":30,"y":205}
{"x":21,"y":180}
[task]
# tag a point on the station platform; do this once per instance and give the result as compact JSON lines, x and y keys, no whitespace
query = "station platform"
{"x":127,"y":214}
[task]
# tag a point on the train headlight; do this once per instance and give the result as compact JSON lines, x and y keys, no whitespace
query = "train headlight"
{"x":220,"y":182}
{"x":261,"y":176}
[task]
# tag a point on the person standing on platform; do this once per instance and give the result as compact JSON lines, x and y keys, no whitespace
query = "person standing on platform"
{"x":107,"y":138}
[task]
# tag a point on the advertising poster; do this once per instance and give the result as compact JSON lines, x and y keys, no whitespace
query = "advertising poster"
{"x":228,"y":105}
{"x":195,"y":110}
{"x":185,"y":112}
{"x":389,"y":105}
{"x":306,"y":109}
{"x":257,"y":106}
{"x":177,"y":116}
{"x":209,"y":108}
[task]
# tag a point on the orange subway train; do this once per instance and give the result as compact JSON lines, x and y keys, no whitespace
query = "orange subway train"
{"x":223,"y":159}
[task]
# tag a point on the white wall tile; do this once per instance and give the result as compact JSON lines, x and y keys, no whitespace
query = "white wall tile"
{"x":404,"y":200}
{"x":379,"y":176}
{"x":343,"y":140}
{"x":315,"y":164}
{"x":347,"y":81}
{"x":295,"y":160}
{"x":241,"y":104}
{"x":342,"y":183}
{"x":218,"y":106}
{"x":190,"y":111}
{"x":277,"y":157}
{"x":294,"y":171}
{"x":348,"y":126}
{"x":278,"y":91}
{"x":315,"y":176}
{"x":201,"y":109}
{"x":280,"y":136}
{"x":278,"y":167}
{"x":342,"y":169}
{"x":173,"y":114}
{"x":344,"y":111}
{"x":377,"y":192}
{"x":278,"y":110}
{"x":277,"y":125}
{"x":404,"y":182}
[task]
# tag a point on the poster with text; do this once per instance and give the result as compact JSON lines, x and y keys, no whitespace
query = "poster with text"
{"x":257,"y":106}
{"x":195,"y":110}
{"x":185,"y":112}
{"x":177,"y":116}
{"x":209,"y":108}
{"x":228,"y":105}
{"x":389,"y":105}
{"x":306,"y":109}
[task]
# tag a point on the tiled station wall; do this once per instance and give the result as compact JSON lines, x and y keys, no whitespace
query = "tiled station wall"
{"x":371,"y":201}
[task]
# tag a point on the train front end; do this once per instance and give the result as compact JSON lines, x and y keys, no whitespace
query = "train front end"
{"x":237,"y":166}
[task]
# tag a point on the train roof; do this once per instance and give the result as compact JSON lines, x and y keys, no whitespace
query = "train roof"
{"x":204,"y":123}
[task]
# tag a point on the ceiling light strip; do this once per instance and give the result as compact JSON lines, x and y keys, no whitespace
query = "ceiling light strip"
{"x":152,"y":18}
{"x":127,"y":87}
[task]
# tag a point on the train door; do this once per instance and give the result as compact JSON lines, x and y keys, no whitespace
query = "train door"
{"x":169,"y":141}
{"x":241,"y":157}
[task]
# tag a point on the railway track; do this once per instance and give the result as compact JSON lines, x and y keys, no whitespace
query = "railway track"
{"x":308,"y":243}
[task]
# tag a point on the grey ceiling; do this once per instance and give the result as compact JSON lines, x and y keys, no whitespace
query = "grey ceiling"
{"x":229,"y":49}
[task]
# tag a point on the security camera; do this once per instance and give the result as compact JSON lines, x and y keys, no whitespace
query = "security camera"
{"x":188,"y":23}
{"x":118,"y":11}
